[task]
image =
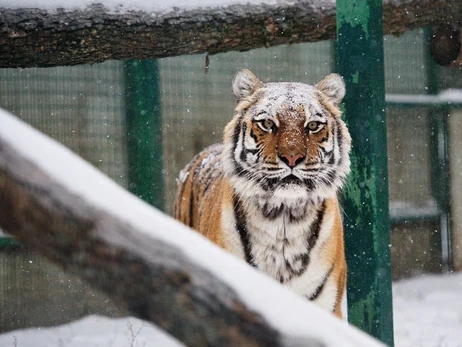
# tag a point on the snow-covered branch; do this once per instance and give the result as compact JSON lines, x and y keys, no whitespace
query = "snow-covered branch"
{"x":158,"y":269}
{"x":58,"y":32}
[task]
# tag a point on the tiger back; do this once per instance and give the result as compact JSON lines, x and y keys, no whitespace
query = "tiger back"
{"x":268,"y":194}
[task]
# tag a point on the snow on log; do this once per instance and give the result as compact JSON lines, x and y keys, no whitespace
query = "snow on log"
{"x":58,"y":32}
{"x":158,"y":269}
{"x":161,"y":271}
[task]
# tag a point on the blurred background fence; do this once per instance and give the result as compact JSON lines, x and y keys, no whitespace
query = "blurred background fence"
{"x":85,"y":108}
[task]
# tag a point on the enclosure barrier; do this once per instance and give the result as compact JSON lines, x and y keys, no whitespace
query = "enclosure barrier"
{"x":440,"y":106}
{"x":366,"y":217}
{"x":144,"y":131}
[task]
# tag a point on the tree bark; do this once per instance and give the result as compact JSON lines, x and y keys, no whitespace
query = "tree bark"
{"x":41,"y":38}
{"x":168,"y":290}
{"x":145,"y":270}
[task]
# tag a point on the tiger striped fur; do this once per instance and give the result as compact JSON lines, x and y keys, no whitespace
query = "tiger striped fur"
{"x":268,"y":194}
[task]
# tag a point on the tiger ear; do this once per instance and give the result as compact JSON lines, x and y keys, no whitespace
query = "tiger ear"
{"x":245,"y":83}
{"x":333,"y":87}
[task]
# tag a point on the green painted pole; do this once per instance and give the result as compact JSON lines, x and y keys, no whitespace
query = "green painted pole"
{"x":439,"y":152}
{"x":8,"y":242}
{"x":144,"y":131}
{"x":367,"y":225}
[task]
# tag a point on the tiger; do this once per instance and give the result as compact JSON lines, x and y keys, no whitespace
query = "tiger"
{"x":268,"y":193}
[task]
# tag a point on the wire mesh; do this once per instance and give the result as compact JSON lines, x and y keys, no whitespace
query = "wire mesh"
{"x":408,"y":150}
{"x":405,"y":63}
{"x":80,"y":106}
{"x":83,"y":108}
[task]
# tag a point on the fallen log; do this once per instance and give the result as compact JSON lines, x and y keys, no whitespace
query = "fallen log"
{"x":149,"y":264}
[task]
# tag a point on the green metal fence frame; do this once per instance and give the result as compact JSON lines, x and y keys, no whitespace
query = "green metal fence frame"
{"x":439,"y":109}
{"x":360,"y":60}
{"x":359,"y":57}
{"x":8,"y":242}
{"x":144,"y":131}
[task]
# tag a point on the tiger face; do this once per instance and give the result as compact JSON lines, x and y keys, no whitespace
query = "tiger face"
{"x":287,"y":140}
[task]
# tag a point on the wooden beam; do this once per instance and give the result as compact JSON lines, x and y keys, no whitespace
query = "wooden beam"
{"x":148,"y":263}
{"x":32,"y":37}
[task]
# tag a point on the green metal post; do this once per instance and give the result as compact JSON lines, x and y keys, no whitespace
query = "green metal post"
{"x":439,"y":149}
{"x":367,"y":225}
{"x":8,"y":242}
{"x":144,"y":131}
{"x":439,"y":136}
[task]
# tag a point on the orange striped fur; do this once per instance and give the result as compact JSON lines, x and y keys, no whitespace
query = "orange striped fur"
{"x":268,"y":194}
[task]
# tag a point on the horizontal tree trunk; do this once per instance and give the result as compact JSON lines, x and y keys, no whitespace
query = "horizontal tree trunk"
{"x":159,"y":270}
{"x":41,"y":38}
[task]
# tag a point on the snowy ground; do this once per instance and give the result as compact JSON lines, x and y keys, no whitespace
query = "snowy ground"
{"x":427,"y":312}
{"x":92,"y":331}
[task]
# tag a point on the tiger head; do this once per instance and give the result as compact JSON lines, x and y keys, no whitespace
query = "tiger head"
{"x":286,"y":140}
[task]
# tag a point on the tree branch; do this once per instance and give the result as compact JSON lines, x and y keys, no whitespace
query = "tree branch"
{"x":159,"y":270}
{"x":37,"y":37}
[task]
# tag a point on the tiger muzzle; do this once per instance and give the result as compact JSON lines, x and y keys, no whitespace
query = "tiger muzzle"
{"x":292,"y":160}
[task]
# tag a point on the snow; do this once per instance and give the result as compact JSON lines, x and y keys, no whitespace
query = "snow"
{"x":403,"y":209}
{"x":293,"y":315}
{"x":121,"y":6}
{"x":92,"y":331}
{"x":444,"y":97}
{"x":427,"y":313}
{"x":451,"y":95}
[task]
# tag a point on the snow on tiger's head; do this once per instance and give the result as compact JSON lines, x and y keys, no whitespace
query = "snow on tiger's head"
{"x":287,"y":140}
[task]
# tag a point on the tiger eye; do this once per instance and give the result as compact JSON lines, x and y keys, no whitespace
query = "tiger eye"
{"x":313,"y":126}
{"x":268,"y":124}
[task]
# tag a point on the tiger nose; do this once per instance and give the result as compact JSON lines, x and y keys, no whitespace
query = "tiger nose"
{"x":292,"y":160}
